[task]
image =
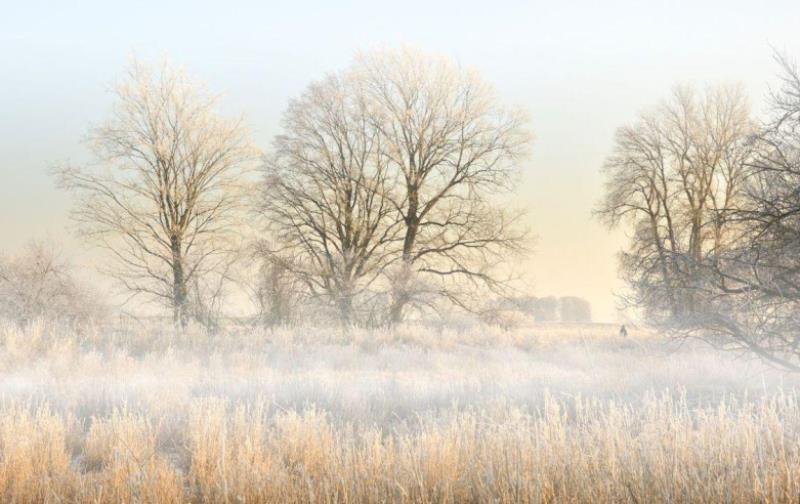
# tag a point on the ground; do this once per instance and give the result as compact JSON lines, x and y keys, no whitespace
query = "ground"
{"x":419,"y":413}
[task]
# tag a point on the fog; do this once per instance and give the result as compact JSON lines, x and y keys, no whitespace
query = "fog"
{"x":450,"y":252}
{"x":372,"y":377}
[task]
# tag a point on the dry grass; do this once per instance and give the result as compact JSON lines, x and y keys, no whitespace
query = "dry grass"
{"x":575,"y":452}
{"x":545,"y":415}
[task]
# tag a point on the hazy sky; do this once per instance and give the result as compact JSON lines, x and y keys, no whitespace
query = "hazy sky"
{"x":581,"y":69}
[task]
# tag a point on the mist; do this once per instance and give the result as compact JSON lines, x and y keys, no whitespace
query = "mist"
{"x":361,"y":253}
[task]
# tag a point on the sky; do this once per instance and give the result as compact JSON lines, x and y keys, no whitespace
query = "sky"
{"x":580,"y":70}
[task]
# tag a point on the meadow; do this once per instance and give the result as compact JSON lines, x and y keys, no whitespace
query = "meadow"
{"x":419,"y":413}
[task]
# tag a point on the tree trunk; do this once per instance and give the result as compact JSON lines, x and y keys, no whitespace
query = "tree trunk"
{"x":345,"y":303}
{"x":396,"y":310}
{"x":662,"y":260}
{"x":402,"y":295}
{"x":179,"y":290}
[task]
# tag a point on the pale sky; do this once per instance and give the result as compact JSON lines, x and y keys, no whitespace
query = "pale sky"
{"x":580,"y":69}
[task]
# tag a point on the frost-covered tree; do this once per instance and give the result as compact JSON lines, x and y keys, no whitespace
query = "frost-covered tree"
{"x":37,"y":283}
{"x":384,"y":185}
{"x":752,"y":288}
{"x":164,"y":196}
{"x":453,"y":148}
{"x":674,"y":180}
{"x":326,"y":197}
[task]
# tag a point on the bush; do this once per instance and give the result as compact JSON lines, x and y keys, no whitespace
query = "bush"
{"x":38,"y":284}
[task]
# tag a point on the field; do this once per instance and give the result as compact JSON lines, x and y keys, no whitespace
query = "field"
{"x":416,"y":414}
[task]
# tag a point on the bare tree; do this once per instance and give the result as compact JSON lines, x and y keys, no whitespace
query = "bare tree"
{"x":277,"y":291}
{"x":165,"y":193}
{"x":574,"y":309}
{"x":326,"y":196}
{"x":753,"y":288}
{"x":545,"y":309}
{"x":453,"y":146}
{"x":676,"y":177}
{"x":208,"y":293}
{"x":38,"y":283}
{"x":274,"y":289}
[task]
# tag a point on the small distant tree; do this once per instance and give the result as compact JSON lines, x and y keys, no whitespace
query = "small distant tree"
{"x":574,"y":309}
{"x":207,"y":294}
{"x":278,"y":292}
{"x":545,"y":309}
{"x":38,"y":283}
{"x":165,"y":193}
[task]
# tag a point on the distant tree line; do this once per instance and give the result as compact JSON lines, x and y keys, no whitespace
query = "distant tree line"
{"x":711,"y":198}
{"x":555,"y":309}
{"x":380,"y":199}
